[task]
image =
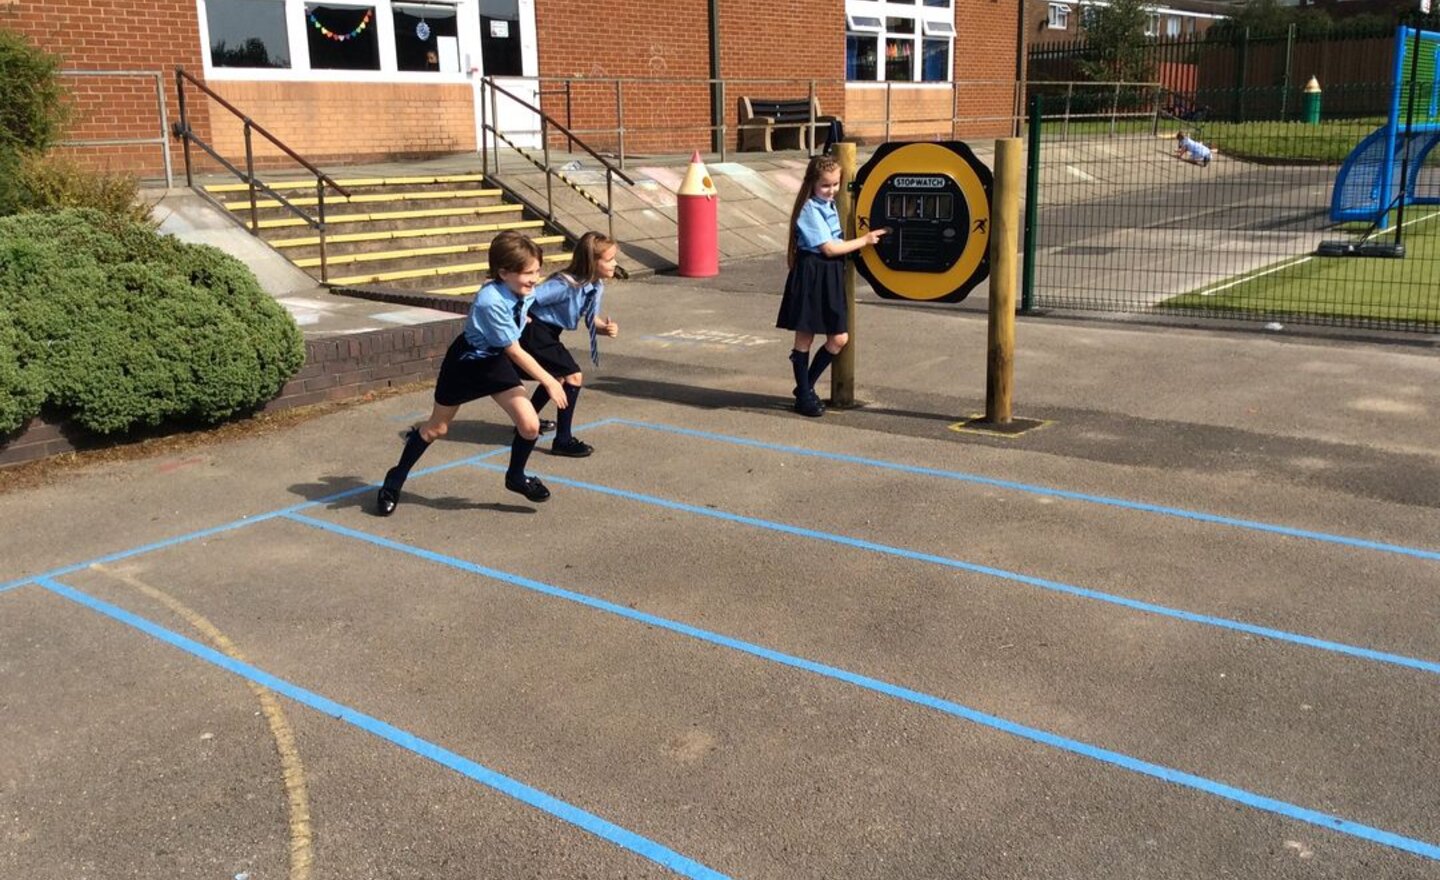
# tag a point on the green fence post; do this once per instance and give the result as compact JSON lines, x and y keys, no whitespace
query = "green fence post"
{"x":1032,"y":206}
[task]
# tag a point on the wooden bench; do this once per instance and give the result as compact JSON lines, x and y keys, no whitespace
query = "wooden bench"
{"x":769,"y":124}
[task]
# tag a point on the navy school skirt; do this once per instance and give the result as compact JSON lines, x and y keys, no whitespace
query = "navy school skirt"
{"x":542,"y":340}
{"x":463,"y":379}
{"x":814,"y":300}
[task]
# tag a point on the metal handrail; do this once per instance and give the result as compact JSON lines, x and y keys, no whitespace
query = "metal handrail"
{"x":160,"y":140}
{"x":611,"y":171}
{"x":253,"y":184}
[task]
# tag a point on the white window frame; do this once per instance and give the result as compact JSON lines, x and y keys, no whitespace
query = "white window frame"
{"x":467,"y":26}
{"x":934,"y":22}
{"x":1059,"y":17}
{"x":1152,"y":24}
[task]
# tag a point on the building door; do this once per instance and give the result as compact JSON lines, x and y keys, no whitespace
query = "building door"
{"x":508,"y":53}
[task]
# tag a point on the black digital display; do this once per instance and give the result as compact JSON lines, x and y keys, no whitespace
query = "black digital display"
{"x":927,"y":218}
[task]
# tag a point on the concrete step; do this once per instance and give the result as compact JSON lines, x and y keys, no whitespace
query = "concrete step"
{"x":379,"y":202}
{"x":302,"y":247}
{"x":429,"y":277}
{"x":306,"y":186}
{"x":369,"y":221}
{"x":412,"y":258}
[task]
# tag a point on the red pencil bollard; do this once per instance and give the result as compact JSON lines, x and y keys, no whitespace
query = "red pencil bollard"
{"x":699,"y":221}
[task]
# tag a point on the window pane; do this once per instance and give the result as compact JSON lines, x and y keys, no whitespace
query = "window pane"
{"x":342,"y":38}
{"x":861,"y":58}
{"x":500,"y":38}
{"x":943,"y":4}
{"x":899,"y":60}
{"x":416,"y":52}
{"x":247,"y":33}
{"x":935,"y":61}
{"x":900,"y":25}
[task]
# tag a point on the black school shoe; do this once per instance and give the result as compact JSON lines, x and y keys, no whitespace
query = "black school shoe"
{"x":547,"y":426}
{"x":389,"y":497}
{"x":571,"y":448}
{"x":530,"y":487}
{"x":810,"y":405}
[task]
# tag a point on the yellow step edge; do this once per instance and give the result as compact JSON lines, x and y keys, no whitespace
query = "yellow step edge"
{"x":438,"y":250}
{"x":429,"y":271}
{"x":394,"y":215}
{"x":352,"y":181}
{"x":369,"y":198}
{"x":311,"y":241}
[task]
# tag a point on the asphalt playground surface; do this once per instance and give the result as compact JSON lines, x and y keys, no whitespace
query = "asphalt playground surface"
{"x":1185,"y":629}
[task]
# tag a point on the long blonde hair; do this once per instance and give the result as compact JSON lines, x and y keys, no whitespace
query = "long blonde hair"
{"x":584,"y":265}
{"x":819,"y":165}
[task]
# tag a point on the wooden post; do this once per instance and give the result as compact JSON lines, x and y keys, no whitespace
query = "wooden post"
{"x":842,"y":372}
{"x":1004,"y":242}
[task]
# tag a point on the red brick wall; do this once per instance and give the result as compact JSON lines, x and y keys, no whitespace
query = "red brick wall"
{"x":336,"y":368}
{"x":139,"y":35}
{"x":770,"y":51}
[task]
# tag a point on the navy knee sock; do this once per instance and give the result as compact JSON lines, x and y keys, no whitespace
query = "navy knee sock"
{"x":823,"y":357}
{"x":415,"y":447}
{"x":520,"y":449}
{"x":539,"y":398}
{"x":799,"y":361}
{"x":565,"y":417}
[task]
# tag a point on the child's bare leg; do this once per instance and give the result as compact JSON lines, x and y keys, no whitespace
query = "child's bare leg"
{"x":517,"y":406}
{"x":803,"y":341}
{"x":438,"y":424}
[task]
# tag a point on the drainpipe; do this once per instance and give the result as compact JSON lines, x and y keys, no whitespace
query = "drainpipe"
{"x":1022,"y":63}
{"x":717,"y":101}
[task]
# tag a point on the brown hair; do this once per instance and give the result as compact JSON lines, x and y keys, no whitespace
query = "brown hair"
{"x":585,"y":261}
{"x":512,"y":251}
{"x":819,"y":165}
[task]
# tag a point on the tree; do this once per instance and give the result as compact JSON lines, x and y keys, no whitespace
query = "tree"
{"x":1115,"y":43}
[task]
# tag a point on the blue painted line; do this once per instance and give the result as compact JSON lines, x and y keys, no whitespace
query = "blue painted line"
{"x":1042,"y":583}
{"x":629,"y":840}
{"x":961,"y":476}
{"x":13,"y":586}
{"x":1118,"y":759}
{"x":262,"y":517}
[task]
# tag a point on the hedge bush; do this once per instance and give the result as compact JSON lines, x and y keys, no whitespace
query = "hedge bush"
{"x":49,"y":181}
{"x":32,"y":111}
{"x":116,"y":326}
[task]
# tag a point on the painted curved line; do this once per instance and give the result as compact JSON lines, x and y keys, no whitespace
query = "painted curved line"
{"x":292,"y":771}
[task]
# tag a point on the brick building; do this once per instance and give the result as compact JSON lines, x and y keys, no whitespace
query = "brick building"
{"x":375,"y":79}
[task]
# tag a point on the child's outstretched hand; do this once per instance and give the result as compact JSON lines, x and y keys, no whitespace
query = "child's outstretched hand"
{"x":873,"y":236}
{"x":608,"y":327}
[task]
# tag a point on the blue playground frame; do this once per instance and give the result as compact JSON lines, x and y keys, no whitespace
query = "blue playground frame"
{"x":1366,"y":187}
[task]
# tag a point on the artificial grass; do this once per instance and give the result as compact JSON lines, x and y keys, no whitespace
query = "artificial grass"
{"x":1383,"y":290}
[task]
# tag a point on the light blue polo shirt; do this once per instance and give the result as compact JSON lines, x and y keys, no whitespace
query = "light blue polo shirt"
{"x":558,"y":300}
{"x":1195,"y":148}
{"x":492,"y":326}
{"x":817,"y":223}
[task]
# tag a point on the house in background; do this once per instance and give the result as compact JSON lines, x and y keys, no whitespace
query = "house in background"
{"x":365,"y":80}
{"x":1059,"y":21}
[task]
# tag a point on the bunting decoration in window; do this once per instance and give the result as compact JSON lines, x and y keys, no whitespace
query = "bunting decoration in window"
{"x":340,"y":38}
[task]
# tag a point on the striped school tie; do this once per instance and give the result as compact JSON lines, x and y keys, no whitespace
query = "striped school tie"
{"x":587,"y":309}
{"x":520,"y":313}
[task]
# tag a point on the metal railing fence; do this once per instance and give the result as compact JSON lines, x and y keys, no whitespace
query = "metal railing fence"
{"x":628,"y":116}
{"x":254,"y":185}
{"x":1125,"y":226}
{"x":161,"y":138}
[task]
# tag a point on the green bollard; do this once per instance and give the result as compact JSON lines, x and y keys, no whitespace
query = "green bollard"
{"x":1311,"y":105}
